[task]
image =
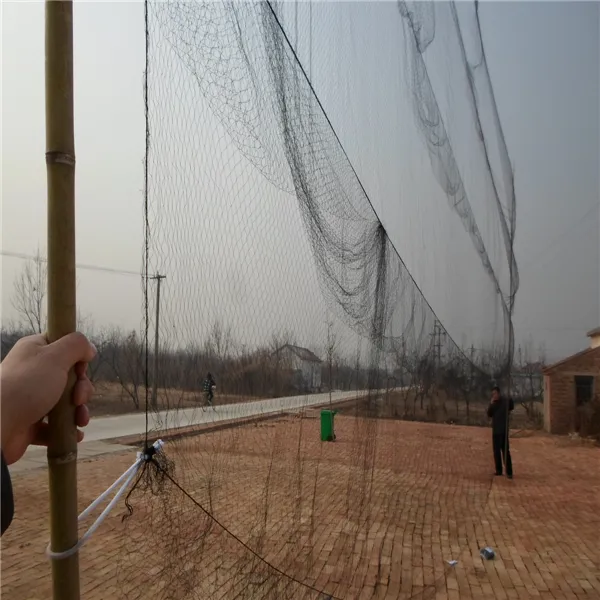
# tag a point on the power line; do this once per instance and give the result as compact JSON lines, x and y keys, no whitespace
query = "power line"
{"x":86,"y":267}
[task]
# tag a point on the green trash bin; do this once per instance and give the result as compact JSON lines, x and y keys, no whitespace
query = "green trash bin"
{"x":327,"y":430}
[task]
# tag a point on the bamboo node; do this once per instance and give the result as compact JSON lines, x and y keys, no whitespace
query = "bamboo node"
{"x":56,"y":157}
{"x":62,"y":460}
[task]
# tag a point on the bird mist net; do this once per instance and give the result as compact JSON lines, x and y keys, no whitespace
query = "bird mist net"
{"x":329,"y":198}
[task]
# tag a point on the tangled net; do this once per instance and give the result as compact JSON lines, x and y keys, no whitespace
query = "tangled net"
{"x":328,"y":223}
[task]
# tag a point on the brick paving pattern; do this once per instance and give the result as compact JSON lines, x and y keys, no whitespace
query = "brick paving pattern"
{"x":320,"y":514}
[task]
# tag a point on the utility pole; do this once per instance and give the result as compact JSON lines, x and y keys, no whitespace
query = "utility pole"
{"x":442,"y":334}
{"x":434,"y":336}
{"x":437,"y":334}
{"x":154,"y":400}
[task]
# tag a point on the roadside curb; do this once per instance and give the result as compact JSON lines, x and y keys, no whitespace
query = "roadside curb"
{"x":139,"y":440}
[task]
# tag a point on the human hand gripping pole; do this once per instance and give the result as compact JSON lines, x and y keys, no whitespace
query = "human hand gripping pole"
{"x":33,"y":377}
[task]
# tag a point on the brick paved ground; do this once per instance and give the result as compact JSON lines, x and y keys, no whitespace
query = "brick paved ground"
{"x":319,"y":513}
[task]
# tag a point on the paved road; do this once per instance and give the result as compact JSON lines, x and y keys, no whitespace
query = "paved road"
{"x":103,"y":428}
{"x":35,"y":456}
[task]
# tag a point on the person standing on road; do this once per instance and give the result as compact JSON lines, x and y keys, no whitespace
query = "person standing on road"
{"x":499,"y":410}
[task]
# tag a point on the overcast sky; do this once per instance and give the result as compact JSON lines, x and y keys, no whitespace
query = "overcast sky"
{"x":544,"y":63}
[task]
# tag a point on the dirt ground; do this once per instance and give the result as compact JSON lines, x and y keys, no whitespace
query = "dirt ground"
{"x":268,"y":511}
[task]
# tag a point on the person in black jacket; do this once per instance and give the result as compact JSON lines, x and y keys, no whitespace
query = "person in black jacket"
{"x":33,"y":376}
{"x":499,"y":410}
{"x":209,"y":386}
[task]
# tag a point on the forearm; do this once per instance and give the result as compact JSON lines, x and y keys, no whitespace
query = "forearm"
{"x":6,"y":501}
{"x":7,"y":406}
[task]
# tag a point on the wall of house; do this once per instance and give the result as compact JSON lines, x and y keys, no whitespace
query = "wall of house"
{"x":316,"y":375}
{"x":311,"y":373}
{"x":561,"y":417}
{"x":294,"y":360}
{"x":559,"y":391}
{"x":595,"y":341}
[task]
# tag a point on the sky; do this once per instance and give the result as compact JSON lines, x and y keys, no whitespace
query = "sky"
{"x":546,"y":81}
{"x":545,"y":69}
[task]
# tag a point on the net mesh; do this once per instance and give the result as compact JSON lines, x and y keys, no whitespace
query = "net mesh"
{"x":324,"y":229}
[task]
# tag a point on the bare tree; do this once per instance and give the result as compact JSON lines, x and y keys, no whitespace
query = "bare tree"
{"x":85,"y":324}
{"x":424,"y":374}
{"x":220,"y":341}
{"x":530,"y":368}
{"x":279,"y":339}
{"x":124,"y":356}
{"x":29,"y":295}
{"x":102,"y":341}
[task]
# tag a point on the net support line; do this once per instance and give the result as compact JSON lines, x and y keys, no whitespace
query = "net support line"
{"x":358,"y":180}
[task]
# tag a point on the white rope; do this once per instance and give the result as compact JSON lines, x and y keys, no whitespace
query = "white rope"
{"x":126,"y":478}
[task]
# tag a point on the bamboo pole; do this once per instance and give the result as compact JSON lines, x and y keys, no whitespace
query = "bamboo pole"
{"x":60,"y":165}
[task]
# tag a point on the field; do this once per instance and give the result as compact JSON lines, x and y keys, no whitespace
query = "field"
{"x":431,"y":499}
{"x":438,"y":407}
{"x":112,"y":399}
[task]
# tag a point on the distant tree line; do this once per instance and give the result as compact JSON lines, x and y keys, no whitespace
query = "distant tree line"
{"x":263,"y":371}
